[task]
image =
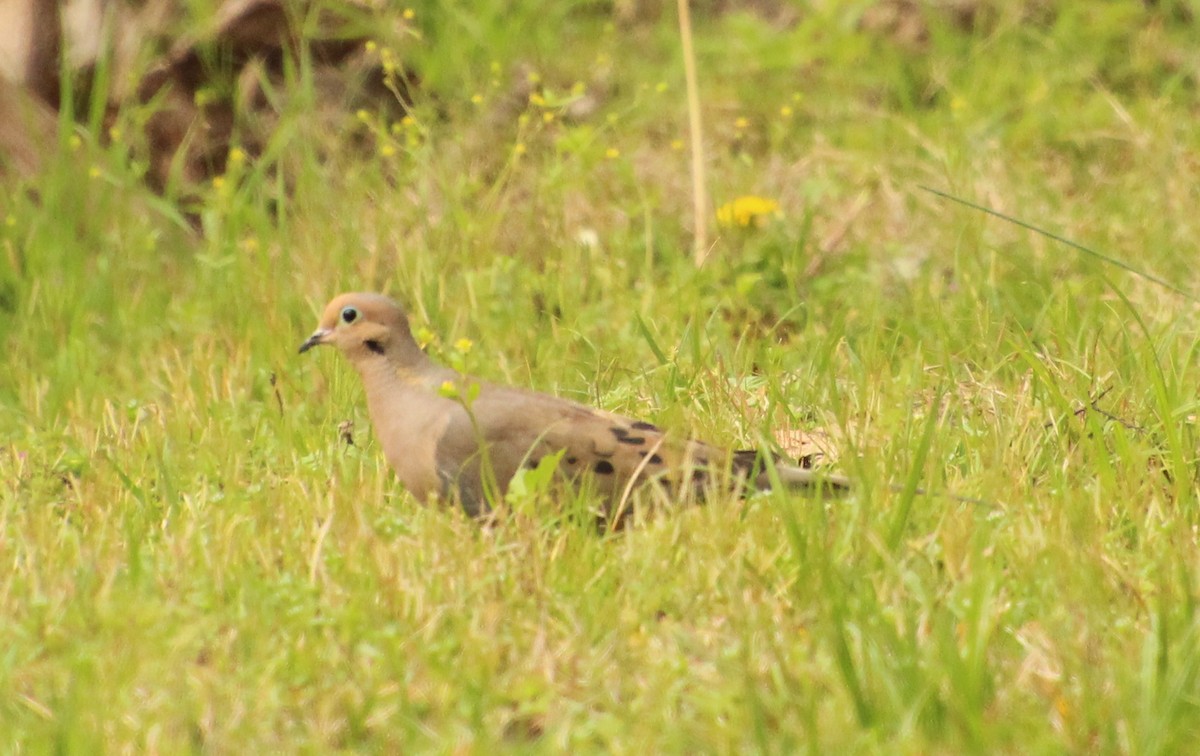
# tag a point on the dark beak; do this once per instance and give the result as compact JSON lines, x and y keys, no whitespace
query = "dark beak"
{"x":317,"y":339}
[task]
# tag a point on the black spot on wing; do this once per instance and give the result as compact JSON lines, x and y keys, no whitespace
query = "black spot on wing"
{"x":639,"y":425}
{"x":654,"y":458}
{"x":632,"y":440}
{"x":604,"y":467}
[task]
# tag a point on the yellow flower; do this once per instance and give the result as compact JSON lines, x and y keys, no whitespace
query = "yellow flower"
{"x":677,"y":144}
{"x":464,"y":345}
{"x":424,"y":337}
{"x":747,"y":210}
{"x":537,"y":99}
{"x":237,"y":156}
{"x":409,"y":14}
{"x":547,"y":117}
{"x":387,"y":150}
{"x":612,"y":153}
{"x":448,"y":390}
{"x":477,"y":98}
{"x":660,"y":87}
{"x":785,"y":111}
{"x":741,"y":123}
{"x":372,"y":46}
{"x":519,"y":148}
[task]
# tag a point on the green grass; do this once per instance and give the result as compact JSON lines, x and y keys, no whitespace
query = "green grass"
{"x":193,"y":559}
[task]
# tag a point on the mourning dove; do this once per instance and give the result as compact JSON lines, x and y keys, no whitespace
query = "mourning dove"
{"x":443,"y":431}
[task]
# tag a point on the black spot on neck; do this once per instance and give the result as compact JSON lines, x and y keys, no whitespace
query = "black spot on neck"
{"x":374,"y":346}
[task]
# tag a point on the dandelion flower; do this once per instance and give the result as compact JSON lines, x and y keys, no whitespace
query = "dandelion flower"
{"x":746,"y":211}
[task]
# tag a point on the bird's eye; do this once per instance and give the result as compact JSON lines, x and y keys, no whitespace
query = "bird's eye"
{"x":349,"y":315}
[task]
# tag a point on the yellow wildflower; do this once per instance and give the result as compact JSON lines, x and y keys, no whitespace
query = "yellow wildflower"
{"x":746,"y":211}
{"x":464,"y":345}
{"x":409,"y":14}
{"x":612,"y":153}
{"x":424,"y":337}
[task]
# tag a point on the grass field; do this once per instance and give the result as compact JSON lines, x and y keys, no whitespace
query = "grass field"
{"x":192,"y":558}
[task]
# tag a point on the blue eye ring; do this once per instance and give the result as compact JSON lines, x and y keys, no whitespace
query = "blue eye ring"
{"x":349,"y":315}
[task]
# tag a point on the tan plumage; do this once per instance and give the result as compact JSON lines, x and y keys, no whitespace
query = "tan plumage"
{"x":441,"y":442}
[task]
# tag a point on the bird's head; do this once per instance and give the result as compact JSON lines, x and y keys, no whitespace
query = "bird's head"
{"x":362,"y":325}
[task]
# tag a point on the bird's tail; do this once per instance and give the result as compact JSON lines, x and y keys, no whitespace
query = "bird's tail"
{"x":792,"y":477}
